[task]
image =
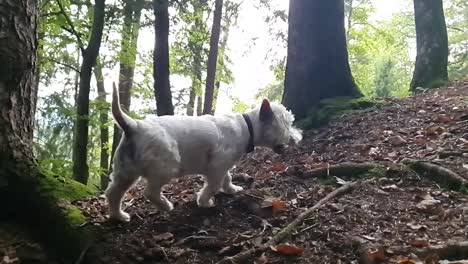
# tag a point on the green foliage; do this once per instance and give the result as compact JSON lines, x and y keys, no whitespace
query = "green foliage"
{"x":274,"y":90}
{"x":239,"y":106}
{"x":456,"y":17}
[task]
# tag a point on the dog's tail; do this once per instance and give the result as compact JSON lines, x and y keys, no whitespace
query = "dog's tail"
{"x":125,"y":122}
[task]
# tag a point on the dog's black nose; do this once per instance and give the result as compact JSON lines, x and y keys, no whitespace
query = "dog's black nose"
{"x":279,"y":149}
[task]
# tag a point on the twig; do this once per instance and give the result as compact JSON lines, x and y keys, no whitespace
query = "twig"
{"x":288,"y":230}
{"x":83,"y":253}
{"x":449,"y":250}
{"x":63,"y":64}
{"x":72,"y":27}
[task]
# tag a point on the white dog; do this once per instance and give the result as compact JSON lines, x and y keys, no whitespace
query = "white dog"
{"x":162,"y":148}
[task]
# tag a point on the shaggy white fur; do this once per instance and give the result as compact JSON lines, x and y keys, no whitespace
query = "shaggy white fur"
{"x":162,"y":148}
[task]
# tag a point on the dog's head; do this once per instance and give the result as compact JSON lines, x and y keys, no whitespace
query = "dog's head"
{"x":275,"y":129}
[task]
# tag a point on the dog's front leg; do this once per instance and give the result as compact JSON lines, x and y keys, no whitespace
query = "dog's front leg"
{"x":228,"y":187}
{"x":213,"y":182}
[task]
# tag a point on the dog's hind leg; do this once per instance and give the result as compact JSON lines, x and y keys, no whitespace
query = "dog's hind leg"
{"x":228,"y":187}
{"x":153,"y":193}
{"x":114,"y":194}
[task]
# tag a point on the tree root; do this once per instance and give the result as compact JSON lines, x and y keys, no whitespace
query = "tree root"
{"x":342,"y":169}
{"x":437,"y":173}
{"x":291,"y":227}
{"x":449,"y":250}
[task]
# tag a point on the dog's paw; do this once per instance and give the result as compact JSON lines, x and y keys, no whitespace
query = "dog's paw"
{"x":232,"y":189}
{"x":167,"y":206}
{"x":206,"y":204}
{"x":121,"y":216}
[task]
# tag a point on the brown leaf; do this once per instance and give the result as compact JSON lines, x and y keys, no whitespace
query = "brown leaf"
{"x":434,"y":130}
{"x":278,"y":167}
{"x":419,"y":243}
{"x":403,"y":260}
{"x":278,"y":205}
{"x":288,"y":249}
{"x":375,"y":255}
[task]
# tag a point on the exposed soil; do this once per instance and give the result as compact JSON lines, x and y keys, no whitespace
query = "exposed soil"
{"x":398,"y":209}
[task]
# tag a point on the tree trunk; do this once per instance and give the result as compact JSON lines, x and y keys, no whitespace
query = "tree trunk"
{"x":80,"y":165}
{"x":162,"y":87}
{"x":432,"y":45}
{"x":128,"y":53}
{"x":317,"y":63}
{"x":200,"y":105}
{"x":24,"y":201}
{"x":103,"y":121}
{"x":213,"y":58}
{"x":222,"y":46}
{"x":191,"y":102}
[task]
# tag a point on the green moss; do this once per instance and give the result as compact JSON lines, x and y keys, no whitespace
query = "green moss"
{"x":333,"y":108}
{"x":61,"y":188}
{"x":74,"y":216}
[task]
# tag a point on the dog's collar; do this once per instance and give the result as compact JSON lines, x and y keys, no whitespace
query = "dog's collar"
{"x":250,"y":146}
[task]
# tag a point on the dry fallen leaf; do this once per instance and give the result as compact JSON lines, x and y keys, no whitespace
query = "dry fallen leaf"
{"x":278,"y":205}
{"x":288,"y":249}
{"x":261,"y":260}
{"x":375,"y":255}
{"x":403,"y":260}
{"x":278,"y":167}
{"x":419,"y":243}
{"x":444,"y":119}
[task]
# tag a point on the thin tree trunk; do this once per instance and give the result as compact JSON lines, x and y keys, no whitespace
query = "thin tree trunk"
{"x":222,"y":45}
{"x":80,"y":164}
{"x":191,"y":102}
{"x":24,"y":201}
{"x":200,"y":105}
{"x":128,"y":52}
{"x":162,"y":87}
{"x":104,"y":128}
{"x":317,"y":63}
{"x":349,"y":19}
{"x":213,"y":58}
{"x":432,"y":45}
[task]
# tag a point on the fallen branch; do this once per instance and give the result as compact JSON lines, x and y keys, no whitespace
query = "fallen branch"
{"x":342,"y":169}
{"x":452,"y":153}
{"x":291,"y":227}
{"x":437,"y":173}
{"x":449,"y":250}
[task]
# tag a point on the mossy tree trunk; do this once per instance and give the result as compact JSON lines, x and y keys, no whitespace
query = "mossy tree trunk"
{"x":162,"y":86}
{"x":20,"y":179}
{"x":432,"y":45}
{"x":103,"y":121}
{"x":317,"y":62}
{"x":80,"y":145}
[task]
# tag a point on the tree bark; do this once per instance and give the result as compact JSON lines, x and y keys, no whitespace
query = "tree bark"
{"x":191,"y":102}
{"x":162,"y":87}
{"x":317,"y":62}
{"x":24,"y":202}
{"x":128,"y":53}
{"x":199,"y":105}
{"x":432,"y":45}
{"x":212,"y":58}
{"x":104,"y":129}
{"x":80,"y":164}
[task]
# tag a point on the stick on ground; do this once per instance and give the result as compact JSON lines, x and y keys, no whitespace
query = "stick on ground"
{"x":291,"y":227}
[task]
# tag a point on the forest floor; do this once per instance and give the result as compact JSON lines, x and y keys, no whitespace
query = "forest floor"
{"x":394,"y":215}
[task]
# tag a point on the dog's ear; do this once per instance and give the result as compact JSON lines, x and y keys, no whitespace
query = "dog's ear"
{"x":266,"y":114}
